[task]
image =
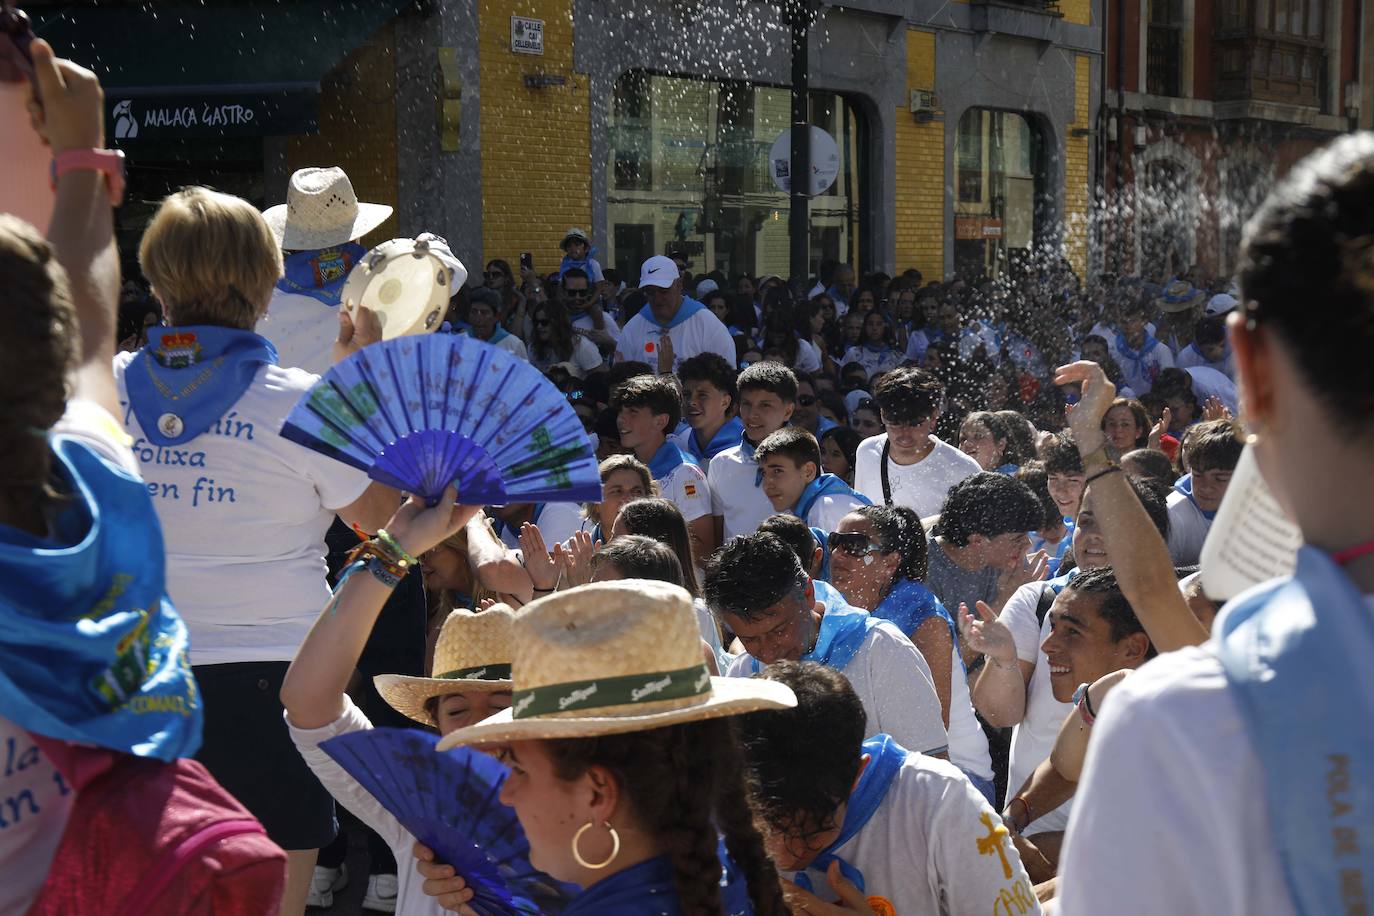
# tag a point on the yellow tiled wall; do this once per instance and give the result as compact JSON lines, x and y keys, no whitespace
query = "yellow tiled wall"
{"x":920,"y":155}
{"x":536,"y":143}
{"x":1077,"y":179}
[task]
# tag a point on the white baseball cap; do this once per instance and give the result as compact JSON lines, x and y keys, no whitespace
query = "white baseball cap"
{"x":1220,"y":304}
{"x":658,"y":271}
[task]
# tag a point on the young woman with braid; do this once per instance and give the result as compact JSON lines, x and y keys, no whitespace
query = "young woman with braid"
{"x":625,"y":774}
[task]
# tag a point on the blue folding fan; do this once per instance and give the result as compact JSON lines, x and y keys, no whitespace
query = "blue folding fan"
{"x":449,"y":801}
{"x":419,"y":413}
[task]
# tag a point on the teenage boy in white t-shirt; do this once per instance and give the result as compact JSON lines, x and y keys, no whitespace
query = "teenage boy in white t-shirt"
{"x":756,"y":587}
{"x":767,"y":397}
{"x":647,"y":408}
{"x":1210,"y":452}
{"x":869,"y":820}
{"x":908,"y":465}
{"x":709,"y":400}
{"x":794,"y":483}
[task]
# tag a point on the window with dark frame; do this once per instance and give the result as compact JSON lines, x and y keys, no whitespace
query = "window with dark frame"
{"x":1163,"y":48}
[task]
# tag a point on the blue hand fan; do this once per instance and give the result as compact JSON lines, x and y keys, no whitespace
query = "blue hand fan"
{"x":418,"y":413}
{"x":449,"y":801}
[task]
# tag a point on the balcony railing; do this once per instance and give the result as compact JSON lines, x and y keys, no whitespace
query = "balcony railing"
{"x":1263,"y":67}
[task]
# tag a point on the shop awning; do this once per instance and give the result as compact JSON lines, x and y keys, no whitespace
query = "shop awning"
{"x":222,"y":69}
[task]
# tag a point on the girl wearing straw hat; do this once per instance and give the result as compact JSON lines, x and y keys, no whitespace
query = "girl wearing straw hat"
{"x":471,"y":676}
{"x":622,"y":764}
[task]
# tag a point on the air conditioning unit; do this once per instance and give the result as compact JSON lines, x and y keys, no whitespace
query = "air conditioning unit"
{"x":924,"y":104}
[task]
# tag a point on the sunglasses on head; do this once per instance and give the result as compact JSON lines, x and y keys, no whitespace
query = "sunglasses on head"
{"x":855,"y":543}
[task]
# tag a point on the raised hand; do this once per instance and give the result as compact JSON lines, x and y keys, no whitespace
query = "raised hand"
{"x":1161,"y":429}
{"x":665,"y":354}
{"x":1096,"y":399}
{"x":417,"y":527}
{"x":353,"y":336}
{"x":987,"y":635}
{"x":542,"y":568}
{"x":576,"y":557}
{"x":1214,"y":409}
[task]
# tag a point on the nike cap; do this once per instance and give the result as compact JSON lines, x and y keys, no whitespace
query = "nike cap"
{"x":658,"y":271}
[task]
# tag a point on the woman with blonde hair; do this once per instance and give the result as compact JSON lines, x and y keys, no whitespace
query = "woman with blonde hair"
{"x":243,"y":509}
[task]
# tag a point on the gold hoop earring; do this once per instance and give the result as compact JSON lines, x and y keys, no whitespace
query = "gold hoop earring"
{"x":615,"y":847}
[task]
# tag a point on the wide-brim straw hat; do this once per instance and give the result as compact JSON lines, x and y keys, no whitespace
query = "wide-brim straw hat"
{"x":610,"y":658}
{"x":473,"y":653}
{"x":1180,"y":296}
{"x":322,"y":211}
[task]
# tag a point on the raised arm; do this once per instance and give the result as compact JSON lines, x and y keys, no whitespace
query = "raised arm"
{"x":1138,"y":555}
{"x":496,"y":566}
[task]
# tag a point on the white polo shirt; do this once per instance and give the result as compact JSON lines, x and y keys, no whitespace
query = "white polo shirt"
{"x":921,"y":486}
{"x":736,"y":492}
{"x":702,"y":332}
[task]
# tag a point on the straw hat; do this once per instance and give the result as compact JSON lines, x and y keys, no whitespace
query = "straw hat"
{"x":473,"y":654}
{"x":322,"y":211}
{"x":1180,"y":296}
{"x":610,"y":658}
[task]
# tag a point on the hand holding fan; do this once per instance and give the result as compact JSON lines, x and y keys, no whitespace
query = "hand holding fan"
{"x":449,"y":801}
{"x":419,"y":413}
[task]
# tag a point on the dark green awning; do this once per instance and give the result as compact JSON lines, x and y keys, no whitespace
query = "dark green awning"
{"x":229,"y":68}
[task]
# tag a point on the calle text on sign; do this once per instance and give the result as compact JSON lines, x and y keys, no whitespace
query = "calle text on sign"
{"x":526,"y":35}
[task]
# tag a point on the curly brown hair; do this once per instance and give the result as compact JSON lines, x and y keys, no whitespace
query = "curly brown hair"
{"x":684,"y":782}
{"x":38,"y":350}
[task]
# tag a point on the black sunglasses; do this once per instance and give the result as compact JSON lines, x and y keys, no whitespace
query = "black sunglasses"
{"x":855,"y":543}
{"x":576,"y":293}
{"x":542,"y":322}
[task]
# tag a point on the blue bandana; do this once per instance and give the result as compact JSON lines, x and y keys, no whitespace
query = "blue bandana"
{"x":647,"y":889}
{"x":825,"y":485}
{"x":728,"y":436}
{"x":688,"y":308}
{"x":1184,"y":485}
{"x":185,"y":379}
{"x":583,"y":264}
{"x":1136,"y":358}
{"x":824,"y":542}
{"x":320,"y":274}
{"x":1305,"y":688}
{"x":908,"y":604}
{"x":669,"y":458}
{"x":885,"y":761}
{"x":91,"y":649}
{"x":843,"y":630}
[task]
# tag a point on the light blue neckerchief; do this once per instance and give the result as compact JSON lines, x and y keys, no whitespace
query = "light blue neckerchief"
{"x":1305,"y":688}
{"x":823,"y":541}
{"x":843,"y":630}
{"x":320,"y":274}
{"x":187,"y":378}
{"x":885,"y":761}
{"x":1057,"y":558}
{"x":91,"y":649}
{"x":583,"y":264}
{"x":1007,"y":468}
{"x":728,"y":436}
{"x":908,"y":604}
{"x":1184,"y":485}
{"x":825,"y":485}
{"x":1135,"y":357}
{"x":688,"y":308}
{"x":669,"y":458}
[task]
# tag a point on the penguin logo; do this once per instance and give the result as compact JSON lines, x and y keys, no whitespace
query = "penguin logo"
{"x":126,"y":125}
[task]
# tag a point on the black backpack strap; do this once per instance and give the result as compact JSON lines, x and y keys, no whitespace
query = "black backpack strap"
{"x":882,"y":465}
{"x":1042,"y":607}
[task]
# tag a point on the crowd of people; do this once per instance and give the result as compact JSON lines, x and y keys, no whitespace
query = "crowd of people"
{"x":872,"y":557}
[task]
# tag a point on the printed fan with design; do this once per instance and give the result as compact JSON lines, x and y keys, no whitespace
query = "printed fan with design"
{"x":418,"y":413}
{"x":450,"y":802}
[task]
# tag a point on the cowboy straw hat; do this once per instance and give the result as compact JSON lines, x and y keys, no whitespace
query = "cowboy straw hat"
{"x":322,"y":211}
{"x":473,"y":654}
{"x":1180,"y":296}
{"x":610,"y":658}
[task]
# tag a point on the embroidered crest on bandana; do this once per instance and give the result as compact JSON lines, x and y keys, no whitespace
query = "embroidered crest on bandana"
{"x":331,"y":264}
{"x":178,"y":351}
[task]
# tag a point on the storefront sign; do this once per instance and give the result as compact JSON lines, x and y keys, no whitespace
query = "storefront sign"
{"x":977,"y":228}
{"x":825,"y":161}
{"x":526,"y":35}
{"x":162,"y":117}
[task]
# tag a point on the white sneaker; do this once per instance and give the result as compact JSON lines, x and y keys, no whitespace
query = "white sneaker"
{"x":381,"y":893}
{"x":323,"y":885}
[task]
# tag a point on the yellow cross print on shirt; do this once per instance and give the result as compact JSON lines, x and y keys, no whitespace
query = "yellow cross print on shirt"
{"x":992,"y":843}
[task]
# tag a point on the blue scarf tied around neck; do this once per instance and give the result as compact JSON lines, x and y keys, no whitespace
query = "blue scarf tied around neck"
{"x":886,"y":757}
{"x":668,"y":459}
{"x":91,"y":649}
{"x":187,"y":378}
{"x":843,"y":630}
{"x":320,"y":274}
{"x":825,"y":485}
{"x":908,"y":604}
{"x":823,"y":541}
{"x":1136,"y":357}
{"x":728,"y":436}
{"x":688,"y":308}
{"x":647,"y":889}
{"x":1184,"y":485}
{"x":1305,"y":688}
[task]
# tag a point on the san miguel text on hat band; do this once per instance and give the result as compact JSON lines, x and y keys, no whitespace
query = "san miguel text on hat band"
{"x":480,"y":673}
{"x":611,"y":691}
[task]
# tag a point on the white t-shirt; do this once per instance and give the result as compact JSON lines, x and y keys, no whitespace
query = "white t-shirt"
{"x":808,"y":356}
{"x":826,"y":511}
{"x":244,"y":513}
{"x":507,"y":341}
{"x":1171,"y":814}
{"x":557,"y":522}
{"x":585,"y":358}
{"x":1188,"y":529}
{"x":893,"y":682}
{"x":1207,"y":382}
{"x":873,"y":361}
{"x":685,"y":486}
{"x":921,"y":486}
{"x":701,"y":333}
{"x":347,"y":791}
{"x":1190,"y":357}
{"x":35,"y":801}
{"x":968,"y":744}
{"x":303,"y":329}
{"x":736,"y":494}
{"x":584,"y":322}
{"x":1141,"y":375}
{"x":1034,"y":737}
{"x":932,"y":847}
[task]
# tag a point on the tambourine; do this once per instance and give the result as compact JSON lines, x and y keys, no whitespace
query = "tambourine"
{"x":406,"y":283}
